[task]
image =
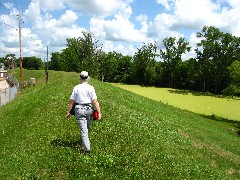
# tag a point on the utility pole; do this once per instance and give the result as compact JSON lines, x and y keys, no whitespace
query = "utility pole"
{"x":47,"y":57}
{"x":46,"y":67}
{"x":20,"y":42}
{"x":44,"y":64}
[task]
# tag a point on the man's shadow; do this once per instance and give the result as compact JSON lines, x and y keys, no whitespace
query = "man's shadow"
{"x":71,"y":143}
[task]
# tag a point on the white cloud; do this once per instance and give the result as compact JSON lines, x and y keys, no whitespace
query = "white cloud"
{"x":120,"y":48}
{"x":45,"y":31}
{"x":161,"y":27}
{"x":50,"y":5}
{"x":194,"y":40}
{"x":9,"y":34}
{"x":108,"y":46}
{"x":54,"y":32}
{"x":230,"y":18}
{"x":143,"y":20}
{"x":194,"y":14}
{"x":67,"y":19}
{"x":166,"y":3}
{"x":121,"y":29}
{"x":59,"y":35}
{"x":32,"y":14}
{"x":29,"y":44}
{"x":96,"y":27}
{"x":11,"y":38}
{"x":97,"y":7}
{"x":125,"y":12}
{"x":234,"y":3}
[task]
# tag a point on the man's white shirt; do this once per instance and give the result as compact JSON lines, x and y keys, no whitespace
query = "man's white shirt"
{"x":83,"y":94}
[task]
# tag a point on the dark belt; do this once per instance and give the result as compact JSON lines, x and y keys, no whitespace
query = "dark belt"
{"x":73,"y":108}
{"x":87,"y":104}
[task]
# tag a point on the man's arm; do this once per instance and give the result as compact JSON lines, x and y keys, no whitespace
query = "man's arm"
{"x":71,"y":103}
{"x":96,"y":104}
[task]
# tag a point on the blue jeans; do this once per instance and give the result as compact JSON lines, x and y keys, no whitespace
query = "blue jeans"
{"x":83,"y":114}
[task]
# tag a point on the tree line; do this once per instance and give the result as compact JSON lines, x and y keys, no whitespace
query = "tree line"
{"x":10,"y":61}
{"x":215,"y":68}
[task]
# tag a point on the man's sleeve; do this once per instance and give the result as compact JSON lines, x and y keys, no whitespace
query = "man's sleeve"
{"x":93,"y":94}
{"x":73,"y":95}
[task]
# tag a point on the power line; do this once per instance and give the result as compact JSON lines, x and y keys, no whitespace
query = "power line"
{"x":17,"y":29}
{"x":20,"y":41}
{"x":9,"y":11}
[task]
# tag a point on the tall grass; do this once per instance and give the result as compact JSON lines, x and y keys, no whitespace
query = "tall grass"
{"x":138,"y":138}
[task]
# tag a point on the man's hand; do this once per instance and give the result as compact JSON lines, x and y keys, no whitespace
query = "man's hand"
{"x":99,"y":117}
{"x":68,"y":115}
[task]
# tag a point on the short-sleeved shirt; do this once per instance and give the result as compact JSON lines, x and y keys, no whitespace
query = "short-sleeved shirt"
{"x":83,"y":94}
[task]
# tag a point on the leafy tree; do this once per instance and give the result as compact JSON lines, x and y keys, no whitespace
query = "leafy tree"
{"x":3,"y":60}
{"x":10,"y":61}
{"x":172,"y":56}
{"x":193,"y":75}
{"x":101,"y":56}
{"x":55,"y":63}
{"x":69,"y":60}
{"x":230,"y":52}
{"x":234,"y":87}
{"x":182,"y":75}
{"x":159,"y":74}
{"x":32,"y":63}
{"x":81,"y":54}
{"x":150,"y":75}
{"x":109,"y":67}
{"x":114,"y":67}
{"x":144,"y":62}
{"x":215,"y":53}
{"x":124,"y":64}
{"x":235,"y":72}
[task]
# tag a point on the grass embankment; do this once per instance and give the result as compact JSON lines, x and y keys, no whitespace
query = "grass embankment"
{"x":198,"y":102}
{"x":138,"y":138}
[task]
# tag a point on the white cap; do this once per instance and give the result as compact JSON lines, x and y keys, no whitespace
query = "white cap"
{"x":84,"y":74}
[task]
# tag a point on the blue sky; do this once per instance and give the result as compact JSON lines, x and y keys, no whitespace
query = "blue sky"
{"x":120,"y":25}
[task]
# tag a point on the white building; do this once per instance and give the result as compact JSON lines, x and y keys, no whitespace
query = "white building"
{"x":3,"y":73}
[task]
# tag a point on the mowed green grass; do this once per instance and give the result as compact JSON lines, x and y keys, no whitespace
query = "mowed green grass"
{"x":201,"y":103}
{"x":138,"y":138}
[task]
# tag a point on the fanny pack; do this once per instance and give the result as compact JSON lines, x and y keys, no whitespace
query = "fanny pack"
{"x":72,"y":112}
{"x":94,"y":115}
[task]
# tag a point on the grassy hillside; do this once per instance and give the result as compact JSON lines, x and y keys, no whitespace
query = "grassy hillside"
{"x":138,"y":138}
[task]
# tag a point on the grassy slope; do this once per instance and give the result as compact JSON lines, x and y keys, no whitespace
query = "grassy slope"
{"x":201,"y":103}
{"x":138,"y":137}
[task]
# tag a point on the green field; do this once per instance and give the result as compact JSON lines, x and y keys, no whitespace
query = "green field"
{"x":138,"y":138}
{"x":201,"y":103}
